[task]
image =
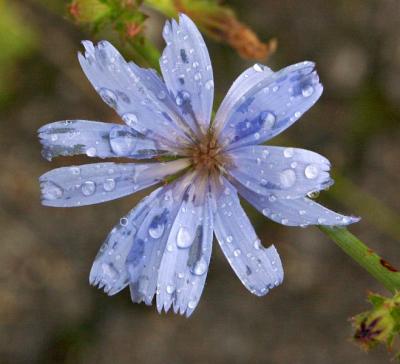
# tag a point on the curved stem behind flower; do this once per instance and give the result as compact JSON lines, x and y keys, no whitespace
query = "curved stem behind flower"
{"x":375,"y":265}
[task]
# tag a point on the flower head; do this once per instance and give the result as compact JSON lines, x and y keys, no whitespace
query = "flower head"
{"x":163,"y":246}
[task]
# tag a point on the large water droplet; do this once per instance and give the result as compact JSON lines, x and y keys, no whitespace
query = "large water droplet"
{"x":109,"y":184}
{"x":311,"y":171}
{"x":50,"y":191}
{"x":122,"y":142}
{"x":91,"y":152}
{"x":88,"y":188}
{"x":109,"y":97}
{"x":307,"y":91}
{"x":268,"y":120}
{"x":288,"y":152}
{"x":184,"y":238}
{"x":258,"y":67}
{"x":209,"y":85}
{"x":156,"y":229}
{"x":200,"y":267}
{"x":287,"y":178}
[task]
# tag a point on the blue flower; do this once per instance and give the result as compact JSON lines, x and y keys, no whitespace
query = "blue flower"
{"x":163,"y":246}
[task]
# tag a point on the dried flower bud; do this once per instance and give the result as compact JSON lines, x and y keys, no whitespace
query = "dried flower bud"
{"x":88,"y":11}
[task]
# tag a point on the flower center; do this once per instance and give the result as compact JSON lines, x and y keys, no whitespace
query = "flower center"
{"x":207,"y":156}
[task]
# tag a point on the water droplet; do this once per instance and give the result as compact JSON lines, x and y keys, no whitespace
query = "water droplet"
{"x":268,"y":119}
{"x":200,"y":267}
{"x":227,"y":191}
{"x":237,"y":252}
{"x":302,"y":212}
{"x":156,"y":229}
{"x":297,"y":114}
{"x":161,"y":95}
{"x":258,"y":68}
{"x":256,"y":136}
{"x":209,"y":85}
{"x":197,"y":76}
{"x":88,"y":188}
{"x":91,"y":152}
{"x":321,"y":220}
{"x":229,"y":238}
{"x":132,"y":121}
{"x":184,"y":238}
{"x":170,"y":288}
{"x":181,"y":275}
{"x":75,"y":170}
{"x":123,"y":221}
{"x":192,"y":304}
{"x":284,"y":221}
{"x":50,"y":191}
{"x":271,"y":198}
{"x":288,"y":152}
{"x":122,"y":142}
{"x":265,"y":212}
{"x":287,"y":178}
{"x":275,"y":88}
{"x":257,"y":244}
{"x":54,"y":137}
{"x":109,"y":184}
{"x":307,"y":91}
{"x":109,"y":97}
{"x":195,"y":64}
{"x":311,"y":171}
{"x":265,"y":153}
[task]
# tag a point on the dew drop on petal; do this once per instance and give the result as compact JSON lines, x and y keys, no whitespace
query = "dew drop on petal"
{"x":109,"y":184}
{"x":184,"y":238}
{"x":257,"y":67}
{"x":109,"y":97}
{"x":123,"y":221}
{"x":271,"y":198}
{"x":209,"y":85}
{"x":257,"y":244}
{"x":122,"y":142}
{"x":88,"y":188}
{"x":287,"y":178}
{"x":321,"y":220}
{"x":156,"y":230}
{"x":288,"y":152}
{"x":170,"y":288}
{"x":229,"y":238}
{"x":91,"y":152}
{"x":200,"y":267}
{"x":307,"y":91}
{"x":268,"y":120}
{"x":192,"y":304}
{"x":311,"y":171}
{"x":237,"y":252}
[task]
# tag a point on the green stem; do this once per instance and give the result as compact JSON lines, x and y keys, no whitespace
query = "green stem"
{"x":380,"y":269}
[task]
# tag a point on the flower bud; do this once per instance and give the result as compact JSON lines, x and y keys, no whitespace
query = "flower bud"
{"x":88,"y":11}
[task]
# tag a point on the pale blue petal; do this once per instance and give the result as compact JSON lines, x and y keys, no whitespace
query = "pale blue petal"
{"x":258,"y":268}
{"x":144,"y":260}
{"x":99,"y":182}
{"x":95,"y":139}
{"x":186,"y":68}
{"x":261,"y":103}
{"x":295,"y":212}
{"x":280,"y":172}
{"x":109,"y":269}
{"x":138,"y":95}
{"x":185,"y":263}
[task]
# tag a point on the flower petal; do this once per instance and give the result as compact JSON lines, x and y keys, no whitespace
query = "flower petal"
{"x":185,"y":263}
{"x":261,"y":103}
{"x":99,"y":182}
{"x":280,"y":172}
{"x":294,"y":212}
{"x":258,"y":268}
{"x":138,"y":95}
{"x":109,"y":269}
{"x":186,"y":68}
{"x":95,"y":139}
{"x":144,"y":260}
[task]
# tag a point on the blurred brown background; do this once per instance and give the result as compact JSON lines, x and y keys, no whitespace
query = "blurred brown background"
{"x":48,"y":311}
